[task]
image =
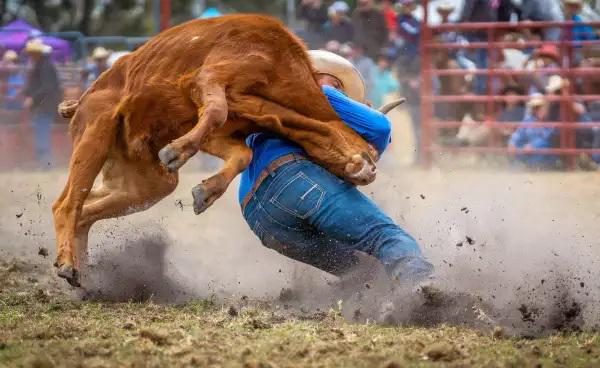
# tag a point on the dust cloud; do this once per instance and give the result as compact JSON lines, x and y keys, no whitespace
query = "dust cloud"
{"x":513,"y":249}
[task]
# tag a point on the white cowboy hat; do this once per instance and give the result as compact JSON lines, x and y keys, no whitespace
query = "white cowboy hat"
{"x":100,"y":53}
{"x":37,"y":45}
{"x":353,"y":84}
{"x":10,"y":55}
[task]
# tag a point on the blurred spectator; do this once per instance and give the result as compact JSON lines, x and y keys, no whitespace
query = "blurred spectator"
{"x":384,"y":81}
{"x":528,"y":138}
{"x":546,"y":57}
{"x":364,"y":64}
{"x":507,"y":11}
{"x":333,"y":46}
{"x":390,"y":17}
{"x":542,"y":11}
{"x":339,"y":27}
{"x":450,"y":85}
{"x":590,"y":137}
{"x":410,"y":87}
{"x":43,"y":92}
{"x":314,"y":12}
{"x":409,"y":29}
{"x":445,"y":10}
{"x":580,"y":32}
{"x":99,"y":64}
{"x":370,"y":30}
{"x":473,"y":131}
{"x":12,"y":81}
{"x":512,"y":110}
{"x":479,"y":11}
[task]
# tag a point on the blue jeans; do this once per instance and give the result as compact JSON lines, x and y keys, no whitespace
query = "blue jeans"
{"x":42,"y":130}
{"x":308,"y":214}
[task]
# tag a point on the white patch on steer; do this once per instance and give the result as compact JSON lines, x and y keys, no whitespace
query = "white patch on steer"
{"x":195,"y":38}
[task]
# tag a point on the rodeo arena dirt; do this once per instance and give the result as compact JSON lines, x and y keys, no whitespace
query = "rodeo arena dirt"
{"x":514,"y":246}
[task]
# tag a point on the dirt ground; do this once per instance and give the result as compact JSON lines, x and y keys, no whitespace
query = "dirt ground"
{"x":167,"y":288}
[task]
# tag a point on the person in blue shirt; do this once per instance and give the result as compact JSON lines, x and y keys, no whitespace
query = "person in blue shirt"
{"x":100,"y":57}
{"x":528,"y":138}
{"x":304,"y":212}
{"x":581,"y":32}
{"x":384,"y":81}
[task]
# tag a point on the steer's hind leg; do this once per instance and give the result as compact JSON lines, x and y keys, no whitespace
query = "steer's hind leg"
{"x":89,"y":155}
{"x":237,"y":157}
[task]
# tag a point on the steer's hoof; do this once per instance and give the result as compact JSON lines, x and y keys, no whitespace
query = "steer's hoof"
{"x":170,"y":158}
{"x":201,"y":199}
{"x":70,"y":274}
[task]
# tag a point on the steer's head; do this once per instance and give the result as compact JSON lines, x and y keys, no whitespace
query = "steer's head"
{"x":343,"y":152}
{"x":336,"y":146}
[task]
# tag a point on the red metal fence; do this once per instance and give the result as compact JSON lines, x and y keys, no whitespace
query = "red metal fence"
{"x":567,"y":47}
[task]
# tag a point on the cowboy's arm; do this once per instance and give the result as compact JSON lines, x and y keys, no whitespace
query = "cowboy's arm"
{"x":372,"y":125}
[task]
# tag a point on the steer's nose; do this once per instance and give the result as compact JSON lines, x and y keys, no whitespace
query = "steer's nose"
{"x":361,"y":170}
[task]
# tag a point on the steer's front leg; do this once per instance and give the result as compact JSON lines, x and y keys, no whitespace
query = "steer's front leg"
{"x":212,"y":113}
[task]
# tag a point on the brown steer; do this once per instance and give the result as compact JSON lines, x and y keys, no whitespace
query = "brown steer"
{"x":204,"y":85}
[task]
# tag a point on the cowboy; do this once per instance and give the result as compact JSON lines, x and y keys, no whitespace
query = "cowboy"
{"x":43,"y":92}
{"x":304,"y":212}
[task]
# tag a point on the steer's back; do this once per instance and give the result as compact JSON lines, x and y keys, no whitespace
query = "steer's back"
{"x":180,"y":51}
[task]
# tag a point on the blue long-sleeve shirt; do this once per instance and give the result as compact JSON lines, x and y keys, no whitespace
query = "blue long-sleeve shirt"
{"x":266,"y":147}
{"x":582,"y":32}
{"x":534,"y":137}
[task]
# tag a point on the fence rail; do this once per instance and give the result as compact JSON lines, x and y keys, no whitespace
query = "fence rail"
{"x":567,"y":49}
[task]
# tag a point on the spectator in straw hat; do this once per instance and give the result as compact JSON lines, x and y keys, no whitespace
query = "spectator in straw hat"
{"x":43,"y":92}
{"x":12,"y":80}
{"x":528,"y":138}
{"x":541,"y":11}
{"x":99,"y":64}
{"x":444,"y":10}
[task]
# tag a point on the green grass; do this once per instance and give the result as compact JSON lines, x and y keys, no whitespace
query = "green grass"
{"x":38,"y":329}
{"x":55,"y":331}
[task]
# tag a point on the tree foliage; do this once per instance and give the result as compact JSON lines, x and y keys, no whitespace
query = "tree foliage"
{"x":117,"y":17}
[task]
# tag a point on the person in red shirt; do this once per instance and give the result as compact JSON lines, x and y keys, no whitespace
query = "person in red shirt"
{"x":390,"y":18}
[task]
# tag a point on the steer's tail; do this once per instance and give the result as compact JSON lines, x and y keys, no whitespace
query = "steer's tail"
{"x":67,"y":108}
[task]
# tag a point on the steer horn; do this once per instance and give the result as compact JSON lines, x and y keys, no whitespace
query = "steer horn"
{"x":392,"y":105}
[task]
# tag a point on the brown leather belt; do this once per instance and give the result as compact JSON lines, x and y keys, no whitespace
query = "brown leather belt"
{"x":274,"y":165}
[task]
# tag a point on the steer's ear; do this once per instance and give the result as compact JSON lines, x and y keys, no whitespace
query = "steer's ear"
{"x":392,"y":105}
